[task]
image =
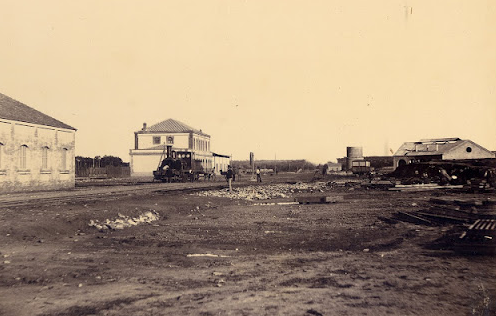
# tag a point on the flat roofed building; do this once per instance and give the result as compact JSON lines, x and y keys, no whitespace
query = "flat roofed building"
{"x":36,"y":150}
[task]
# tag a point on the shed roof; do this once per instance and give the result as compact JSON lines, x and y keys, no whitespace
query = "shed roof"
{"x":172,"y":126}
{"x":14,"y":110}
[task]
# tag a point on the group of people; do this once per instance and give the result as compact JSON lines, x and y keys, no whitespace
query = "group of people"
{"x":231,"y":176}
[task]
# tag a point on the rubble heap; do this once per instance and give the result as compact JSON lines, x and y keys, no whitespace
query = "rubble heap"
{"x":266,"y":192}
{"x":125,"y":221}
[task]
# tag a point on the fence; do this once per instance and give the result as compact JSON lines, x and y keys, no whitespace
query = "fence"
{"x":105,"y":172}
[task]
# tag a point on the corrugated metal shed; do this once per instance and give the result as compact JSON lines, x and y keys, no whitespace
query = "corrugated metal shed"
{"x":428,"y":147}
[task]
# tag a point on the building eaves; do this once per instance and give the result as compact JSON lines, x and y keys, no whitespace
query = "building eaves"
{"x":219,"y":155}
{"x":14,"y":110}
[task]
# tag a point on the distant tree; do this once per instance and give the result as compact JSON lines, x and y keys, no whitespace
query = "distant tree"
{"x":110,"y":161}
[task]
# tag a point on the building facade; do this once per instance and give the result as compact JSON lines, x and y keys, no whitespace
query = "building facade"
{"x":150,"y":143}
{"x":439,"y":149}
{"x":36,"y":150}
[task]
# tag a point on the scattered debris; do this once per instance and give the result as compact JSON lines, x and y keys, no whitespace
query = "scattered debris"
{"x":276,"y":203}
{"x":125,"y":221}
{"x":206,"y":255}
{"x":450,"y":210}
{"x":318,"y":199}
{"x":266,"y":192}
{"x":479,"y":238}
{"x":475,"y":216}
{"x":423,"y":187}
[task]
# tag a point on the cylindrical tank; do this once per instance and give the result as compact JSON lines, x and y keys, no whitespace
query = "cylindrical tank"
{"x":352,"y":154}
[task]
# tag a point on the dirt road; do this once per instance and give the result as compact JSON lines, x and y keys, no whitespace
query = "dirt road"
{"x":207,"y":255}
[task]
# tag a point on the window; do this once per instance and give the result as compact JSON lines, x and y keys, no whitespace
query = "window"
{"x":1,"y":150}
{"x":156,"y":140}
{"x":23,"y":164}
{"x":64,"y":159}
{"x":44,"y":158}
{"x":469,"y":149}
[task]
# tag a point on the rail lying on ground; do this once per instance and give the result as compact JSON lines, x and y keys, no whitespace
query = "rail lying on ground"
{"x":92,"y":193}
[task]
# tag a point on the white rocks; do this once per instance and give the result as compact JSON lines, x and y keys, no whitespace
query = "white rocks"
{"x":125,"y":221}
{"x":265,"y":192}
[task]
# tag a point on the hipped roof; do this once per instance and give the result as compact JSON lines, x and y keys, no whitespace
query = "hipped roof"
{"x":171,"y":126}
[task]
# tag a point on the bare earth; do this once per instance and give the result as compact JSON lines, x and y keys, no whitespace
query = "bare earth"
{"x":219,"y":256}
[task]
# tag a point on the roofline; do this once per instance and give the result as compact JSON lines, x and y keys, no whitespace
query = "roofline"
{"x":39,"y":125}
{"x":165,"y":132}
{"x":219,"y":155}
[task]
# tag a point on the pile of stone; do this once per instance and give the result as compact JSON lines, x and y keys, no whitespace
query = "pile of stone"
{"x":125,"y":221}
{"x":266,"y":192}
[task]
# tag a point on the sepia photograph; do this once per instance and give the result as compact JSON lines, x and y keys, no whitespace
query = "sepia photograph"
{"x":247,"y":157}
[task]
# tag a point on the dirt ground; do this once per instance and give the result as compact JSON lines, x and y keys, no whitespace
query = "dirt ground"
{"x":208,"y":255}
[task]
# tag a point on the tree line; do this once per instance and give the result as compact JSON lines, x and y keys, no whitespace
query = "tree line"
{"x":100,"y":162}
{"x":279,"y":165}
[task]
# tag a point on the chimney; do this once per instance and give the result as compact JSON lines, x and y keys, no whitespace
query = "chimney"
{"x":144,"y":127}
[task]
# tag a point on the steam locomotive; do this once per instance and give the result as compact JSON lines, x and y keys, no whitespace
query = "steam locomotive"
{"x":178,"y":166}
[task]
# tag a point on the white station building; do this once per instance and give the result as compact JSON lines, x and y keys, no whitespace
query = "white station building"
{"x":150,"y":142}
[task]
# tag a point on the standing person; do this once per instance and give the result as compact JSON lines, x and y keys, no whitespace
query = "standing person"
{"x":229,"y":176}
{"x":259,"y":175}
{"x":213,"y":174}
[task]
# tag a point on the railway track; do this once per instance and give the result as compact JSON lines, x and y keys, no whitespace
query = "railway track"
{"x":101,"y":192}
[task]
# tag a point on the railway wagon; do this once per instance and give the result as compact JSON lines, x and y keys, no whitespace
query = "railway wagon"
{"x":360,"y":167}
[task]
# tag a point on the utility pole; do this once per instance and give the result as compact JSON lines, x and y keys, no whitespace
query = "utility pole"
{"x":275,"y":163}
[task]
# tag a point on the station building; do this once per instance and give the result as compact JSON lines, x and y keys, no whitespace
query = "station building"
{"x":439,"y":149}
{"x":150,"y":143}
{"x":36,"y":150}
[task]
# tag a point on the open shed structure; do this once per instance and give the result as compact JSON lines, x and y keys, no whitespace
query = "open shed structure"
{"x":439,"y":149}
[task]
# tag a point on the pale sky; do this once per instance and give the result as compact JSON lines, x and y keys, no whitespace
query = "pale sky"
{"x":292,"y":79}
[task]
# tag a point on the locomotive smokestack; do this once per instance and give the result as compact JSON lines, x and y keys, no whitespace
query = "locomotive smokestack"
{"x":169,"y":151}
{"x":144,"y":126}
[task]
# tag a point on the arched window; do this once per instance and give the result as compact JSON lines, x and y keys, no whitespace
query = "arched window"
{"x":1,"y":153}
{"x":44,"y":158}
{"x":23,"y":159}
{"x":64,"y":159}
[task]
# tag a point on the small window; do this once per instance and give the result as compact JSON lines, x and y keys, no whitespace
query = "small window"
{"x":156,"y":140}
{"x":23,"y":163}
{"x":469,"y":149}
{"x":44,"y":158}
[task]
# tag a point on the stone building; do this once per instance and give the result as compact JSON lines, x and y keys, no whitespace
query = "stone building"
{"x":150,"y":142}
{"x":36,"y":150}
